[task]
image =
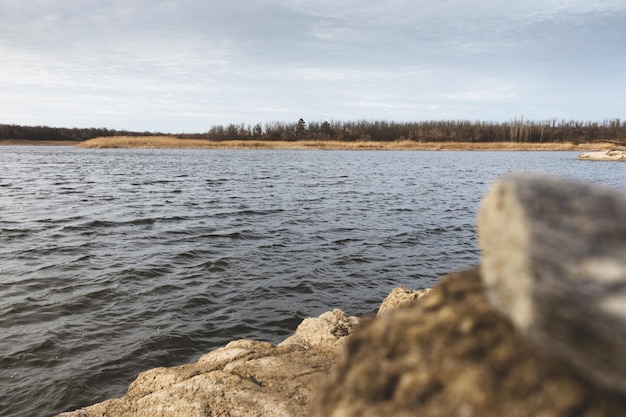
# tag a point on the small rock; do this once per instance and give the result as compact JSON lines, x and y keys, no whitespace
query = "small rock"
{"x":611,"y":155}
{"x":401,"y":296}
{"x":323,"y":332}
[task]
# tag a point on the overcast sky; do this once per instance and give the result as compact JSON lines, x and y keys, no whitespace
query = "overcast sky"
{"x":186,"y":65}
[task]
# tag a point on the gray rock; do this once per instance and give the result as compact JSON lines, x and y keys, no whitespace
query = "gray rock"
{"x":554,"y":263}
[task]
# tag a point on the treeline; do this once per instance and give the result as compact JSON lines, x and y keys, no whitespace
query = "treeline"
{"x":517,"y":130}
{"x":41,"y":133}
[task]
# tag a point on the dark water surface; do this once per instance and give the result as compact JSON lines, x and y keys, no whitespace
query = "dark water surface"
{"x":116,"y":261}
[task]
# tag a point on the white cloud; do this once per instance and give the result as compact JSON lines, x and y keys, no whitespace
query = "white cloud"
{"x":148,"y":65}
{"x":487,"y":90}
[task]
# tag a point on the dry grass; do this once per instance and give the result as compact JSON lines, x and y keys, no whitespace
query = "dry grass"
{"x":22,"y":142}
{"x":166,"y":142}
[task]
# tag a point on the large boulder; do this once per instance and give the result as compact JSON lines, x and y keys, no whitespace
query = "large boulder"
{"x":452,"y":354}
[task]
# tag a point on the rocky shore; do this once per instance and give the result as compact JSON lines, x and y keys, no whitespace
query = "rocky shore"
{"x":615,"y":154}
{"x":538,"y":329}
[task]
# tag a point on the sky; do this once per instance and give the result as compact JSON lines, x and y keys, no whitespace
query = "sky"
{"x":186,"y":65}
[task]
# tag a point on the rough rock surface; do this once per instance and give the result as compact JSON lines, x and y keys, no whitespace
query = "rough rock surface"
{"x":554,"y":263}
{"x":401,"y":296}
{"x":244,"y":378}
{"x":452,"y":354}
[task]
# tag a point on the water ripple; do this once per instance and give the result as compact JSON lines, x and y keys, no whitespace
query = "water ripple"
{"x":116,"y":261}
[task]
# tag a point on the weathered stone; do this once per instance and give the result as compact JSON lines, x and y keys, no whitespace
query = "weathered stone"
{"x":401,"y":296}
{"x":244,"y":378}
{"x":323,"y":332}
{"x":454,"y":356}
{"x":554,"y":263}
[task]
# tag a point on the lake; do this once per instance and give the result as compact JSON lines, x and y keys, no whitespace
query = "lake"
{"x":114,"y":261}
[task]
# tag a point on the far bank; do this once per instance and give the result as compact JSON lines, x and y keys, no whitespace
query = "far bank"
{"x":165,"y":142}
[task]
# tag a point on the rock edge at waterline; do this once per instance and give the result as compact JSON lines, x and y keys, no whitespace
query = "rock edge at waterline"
{"x":244,"y":378}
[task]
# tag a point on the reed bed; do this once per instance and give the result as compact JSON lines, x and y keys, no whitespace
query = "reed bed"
{"x":168,"y":142}
{"x":22,"y":142}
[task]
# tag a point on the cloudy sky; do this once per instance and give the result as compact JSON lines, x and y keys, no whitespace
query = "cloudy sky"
{"x":186,"y":65}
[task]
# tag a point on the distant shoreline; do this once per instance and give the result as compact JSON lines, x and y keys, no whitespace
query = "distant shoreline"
{"x":21,"y":142}
{"x":165,"y":142}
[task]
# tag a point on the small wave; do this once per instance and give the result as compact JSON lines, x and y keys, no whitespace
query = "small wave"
{"x":70,"y":191}
{"x":245,"y":234}
{"x":219,"y":265}
{"x":9,"y":234}
{"x":162,"y":290}
{"x":96,"y":224}
{"x":247,"y":212}
{"x":300,"y":288}
{"x":107,"y":224}
{"x":158,"y":182}
{"x":199,"y":301}
{"x":137,"y":274}
{"x":218,"y":181}
{"x":190,"y":254}
{"x":346,"y":241}
{"x":352,"y":259}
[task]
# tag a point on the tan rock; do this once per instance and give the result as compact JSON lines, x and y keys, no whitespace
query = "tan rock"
{"x":612,"y":155}
{"x":452,"y":354}
{"x":399,"y":297}
{"x":322,"y":332}
{"x":244,"y":378}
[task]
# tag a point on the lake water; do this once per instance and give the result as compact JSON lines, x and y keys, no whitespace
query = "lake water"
{"x":116,"y":261}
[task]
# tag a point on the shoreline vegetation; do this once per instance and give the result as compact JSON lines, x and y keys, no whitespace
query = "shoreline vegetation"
{"x":169,"y":142}
{"x":517,"y":134}
{"x":166,"y":142}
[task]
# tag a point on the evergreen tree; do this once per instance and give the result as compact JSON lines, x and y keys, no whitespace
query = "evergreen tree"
{"x":300,"y":129}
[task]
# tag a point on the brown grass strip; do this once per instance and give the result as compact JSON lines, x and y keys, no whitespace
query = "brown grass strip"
{"x":23,"y":142}
{"x":167,"y":142}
